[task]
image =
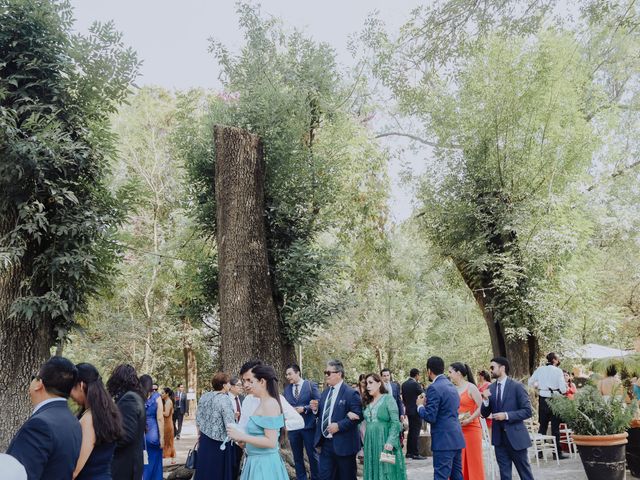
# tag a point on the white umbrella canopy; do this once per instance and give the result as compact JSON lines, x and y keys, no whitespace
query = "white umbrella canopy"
{"x":593,"y":351}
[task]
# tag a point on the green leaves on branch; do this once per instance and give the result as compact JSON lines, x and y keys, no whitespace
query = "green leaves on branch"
{"x":57,"y":90}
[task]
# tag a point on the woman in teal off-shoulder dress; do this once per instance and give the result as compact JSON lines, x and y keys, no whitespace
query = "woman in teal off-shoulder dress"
{"x":263,"y":430}
{"x":382,"y":433}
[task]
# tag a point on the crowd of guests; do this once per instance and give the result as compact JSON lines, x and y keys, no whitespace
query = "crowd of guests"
{"x":121,"y":432}
{"x":125,"y":428}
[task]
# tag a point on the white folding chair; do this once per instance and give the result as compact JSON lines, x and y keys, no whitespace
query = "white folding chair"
{"x":566,"y":437}
{"x":541,"y":443}
{"x":488,"y":452}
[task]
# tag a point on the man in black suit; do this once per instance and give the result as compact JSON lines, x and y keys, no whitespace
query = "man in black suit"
{"x":411,"y":390}
{"x":48,"y":443}
{"x":393,"y":388}
{"x":179,"y":410}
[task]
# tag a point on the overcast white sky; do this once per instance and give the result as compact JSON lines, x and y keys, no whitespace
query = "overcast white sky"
{"x":171,"y":38}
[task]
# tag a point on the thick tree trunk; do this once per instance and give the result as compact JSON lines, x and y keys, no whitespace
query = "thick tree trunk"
{"x":190,"y":362}
{"x":521,"y":353}
{"x":249,"y":322}
{"x":24,"y":346}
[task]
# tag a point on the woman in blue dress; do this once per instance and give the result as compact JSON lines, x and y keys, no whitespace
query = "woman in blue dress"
{"x":265,"y":428}
{"x":154,"y":434}
{"x":101,"y":424}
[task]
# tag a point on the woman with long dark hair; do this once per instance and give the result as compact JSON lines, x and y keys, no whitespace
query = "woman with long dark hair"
{"x":469,"y":414}
{"x":101,"y":425}
{"x":154,"y":433}
{"x":264,"y":429}
{"x":124,"y":387}
{"x":382,"y":432}
{"x":214,"y":414}
{"x":168,"y":450}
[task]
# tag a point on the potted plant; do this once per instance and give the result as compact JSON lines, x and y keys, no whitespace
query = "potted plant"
{"x":599,"y":430}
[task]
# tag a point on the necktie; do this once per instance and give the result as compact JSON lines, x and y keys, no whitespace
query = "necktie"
{"x":327,"y":410}
{"x":499,"y":397}
{"x":296,"y":390}
{"x":237,"y":404}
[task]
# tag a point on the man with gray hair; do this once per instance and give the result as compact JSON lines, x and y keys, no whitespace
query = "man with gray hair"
{"x":337,"y":436}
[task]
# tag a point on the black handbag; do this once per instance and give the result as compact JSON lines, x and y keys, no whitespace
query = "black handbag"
{"x":192,"y":457}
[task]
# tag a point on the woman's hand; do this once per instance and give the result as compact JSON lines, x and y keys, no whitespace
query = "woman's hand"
{"x":388,"y":446}
{"x":235,"y":434}
{"x":353,"y":416}
{"x":466,"y":421}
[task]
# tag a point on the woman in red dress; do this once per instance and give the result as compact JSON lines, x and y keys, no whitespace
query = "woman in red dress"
{"x":469,"y":414}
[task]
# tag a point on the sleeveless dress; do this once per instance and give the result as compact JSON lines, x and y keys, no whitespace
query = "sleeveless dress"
{"x":383,"y":427}
{"x":169,"y":450}
{"x":472,"y":463}
{"x":263,"y":463}
{"x":98,"y":466}
{"x":153,"y":470}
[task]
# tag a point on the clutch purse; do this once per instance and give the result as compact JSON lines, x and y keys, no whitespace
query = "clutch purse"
{"x":192,"y":457}
{"x":387,"y":458}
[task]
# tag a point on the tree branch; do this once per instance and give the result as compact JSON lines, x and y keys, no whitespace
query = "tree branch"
{"x":617,"y":173}
{"x":418,"y":139}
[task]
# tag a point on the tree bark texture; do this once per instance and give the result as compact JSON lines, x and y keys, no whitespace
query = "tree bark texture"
{"x":24,"y":346}
{"x":190,"y":362}
{"x":521,"y":353}
{"x":249,"y":321}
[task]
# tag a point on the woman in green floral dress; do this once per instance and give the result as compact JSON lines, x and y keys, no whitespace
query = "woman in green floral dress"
{"x":382,"y":433}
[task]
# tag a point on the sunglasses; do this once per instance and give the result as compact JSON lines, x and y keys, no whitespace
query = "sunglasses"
{"x":329,"y":372}
{"x":35,"y":377}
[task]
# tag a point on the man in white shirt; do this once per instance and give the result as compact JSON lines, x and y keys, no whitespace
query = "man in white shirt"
{"x":549,"y":381}
{"x":292,"y":419}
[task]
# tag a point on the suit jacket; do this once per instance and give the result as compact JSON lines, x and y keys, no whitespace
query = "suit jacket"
{"x":441,"y":411}
{"x":346,"y":441}
{"x":127,"y":459}
{"x":48,"y":443}
{"x":308,"y":392}
{"x":395,"y":393}
{"x":411,"y":390}
{"x":516,"y":403}
{"x":181,"y":406}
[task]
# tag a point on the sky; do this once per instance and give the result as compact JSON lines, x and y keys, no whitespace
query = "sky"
{"x":171,"y":38}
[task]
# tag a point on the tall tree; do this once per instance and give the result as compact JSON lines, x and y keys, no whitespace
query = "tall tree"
{"x":57,"y":90}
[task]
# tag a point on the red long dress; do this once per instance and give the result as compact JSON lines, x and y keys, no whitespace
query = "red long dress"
{"x":472,"y":463}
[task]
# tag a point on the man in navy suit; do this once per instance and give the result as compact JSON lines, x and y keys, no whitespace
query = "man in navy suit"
{"x":180,"y":409}
{"x":337,"y":436}
{"x":48,"y":443}
{"x":299,"y":394}
{"x":441,"y":410}
{"x":507,"y":403}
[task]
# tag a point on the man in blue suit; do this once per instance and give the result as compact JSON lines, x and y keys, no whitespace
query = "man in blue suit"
{"x":507,"y":403}
{"x":441,"y":410}
{"x":299,"y":394}
{"x":48,"y":443}
{"x":337,"y":436}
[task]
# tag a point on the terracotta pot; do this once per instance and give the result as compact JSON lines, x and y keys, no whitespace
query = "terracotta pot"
{"x":600,"y":440}
{"x":603,"y":456}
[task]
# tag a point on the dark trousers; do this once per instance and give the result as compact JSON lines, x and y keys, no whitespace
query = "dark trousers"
{"x":505,"y":454}
{"x":238,"y":461}
{"x":447,"y":465}
{"x":335,"y":467}
{"x":178,"y":416}
{"x":415,"y":423}
{"x":300,"y":441}
{"x":545,"y":415}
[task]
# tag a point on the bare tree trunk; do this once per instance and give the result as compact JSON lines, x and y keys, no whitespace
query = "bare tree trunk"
{"x":190,"y":362}
{"x":521,"y":353}
{"x":249,"y":321}
{"x":24,"y":346}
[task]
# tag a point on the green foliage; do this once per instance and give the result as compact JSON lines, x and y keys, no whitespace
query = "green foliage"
{"x":589,"y":413}
{"x":324,"y":176}
{"x":57,"y":90}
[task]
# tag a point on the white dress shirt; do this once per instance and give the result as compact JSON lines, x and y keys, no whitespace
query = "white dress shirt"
{"x":502,"y":383}
{"x":550,"y":381}
{"x":334,"y":394}
{"x":292,"y":419}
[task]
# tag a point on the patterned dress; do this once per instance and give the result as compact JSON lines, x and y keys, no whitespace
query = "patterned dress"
{"x":383,"y":427}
